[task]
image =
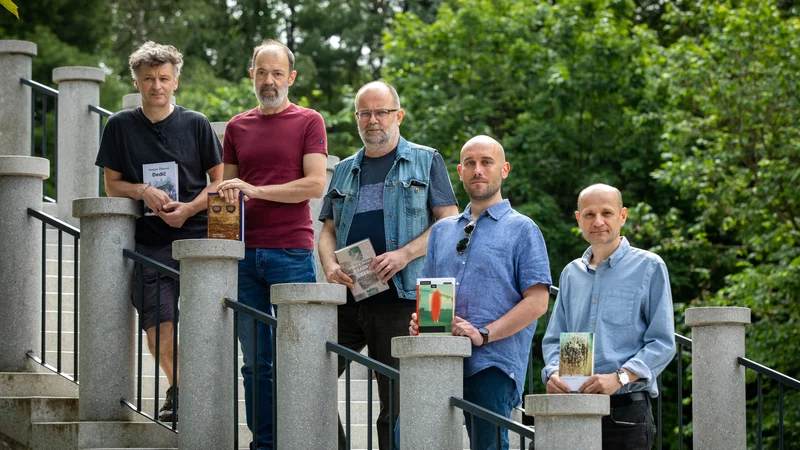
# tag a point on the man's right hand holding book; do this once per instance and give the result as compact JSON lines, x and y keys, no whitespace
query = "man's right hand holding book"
{"x":336,"y":275}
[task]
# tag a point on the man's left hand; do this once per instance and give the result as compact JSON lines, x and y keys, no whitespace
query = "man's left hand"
{"x":387,"y":264}
{"x":461,"y":327}
{"x":606,"y":383}
{"x":175,"y":214}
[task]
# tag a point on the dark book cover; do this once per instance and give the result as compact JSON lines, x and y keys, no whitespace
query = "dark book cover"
{"x":225,"y":220}
{"x":436,"y":304}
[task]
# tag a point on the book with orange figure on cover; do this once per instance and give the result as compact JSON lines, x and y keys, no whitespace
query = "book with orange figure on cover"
{"x":436,"y":304}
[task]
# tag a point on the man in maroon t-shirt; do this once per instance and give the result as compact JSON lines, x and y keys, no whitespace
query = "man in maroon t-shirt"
{"x":276,"y":156}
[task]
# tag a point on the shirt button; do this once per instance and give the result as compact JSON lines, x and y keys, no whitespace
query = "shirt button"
{"x":591,"y":325}
{"x":390,"y":215}
{"x":594,"y":300}
{"x":463,"y":262}
{"x":597,"y":276}
{"x":457,"y":283}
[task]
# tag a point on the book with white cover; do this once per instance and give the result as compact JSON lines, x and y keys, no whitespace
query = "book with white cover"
{"x":355,"y":260}
{"x":162,"y":176}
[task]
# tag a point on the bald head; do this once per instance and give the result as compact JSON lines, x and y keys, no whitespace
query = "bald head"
{"x":485,"y":142}
{"x":600,"y":189}
{"x":380,"y":86}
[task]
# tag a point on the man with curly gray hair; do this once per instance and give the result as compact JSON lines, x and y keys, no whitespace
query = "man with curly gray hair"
{"x":160,"y":153}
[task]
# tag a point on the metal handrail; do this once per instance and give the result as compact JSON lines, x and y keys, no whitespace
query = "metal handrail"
{"x":774,"y":374}
{"x":55,"y":222}
{"x":141,"y":262}
{"x":496,"y":419}
{"x":101,"y":111}
{"x":369,"y":363}
{"x":40,"y":87}
{"x":272,"y":321}
{"x":62,"y":228}
{"x":152,"y":264}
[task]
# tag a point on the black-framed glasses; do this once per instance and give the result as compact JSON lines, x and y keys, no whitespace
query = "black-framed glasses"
{"x":380,"y":114}
{"x":462,"y":245}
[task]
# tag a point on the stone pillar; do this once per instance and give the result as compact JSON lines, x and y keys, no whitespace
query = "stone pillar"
{"x":316,"y":207}
{"x":307,"y":402}
{"x":15,"y":115}
{"x":431,"y":371}
{"x":108,"y":320}
{"x":209,"y":269}
{"x":568,"y":420}
{"x":78,"y":136}
{"x":21,"y":265}
{"x":718,"y":385}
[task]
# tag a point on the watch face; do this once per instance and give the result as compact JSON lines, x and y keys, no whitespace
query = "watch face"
{"x":483,"y":331}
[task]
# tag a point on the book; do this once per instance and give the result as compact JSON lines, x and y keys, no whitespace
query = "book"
{"x":436,"y":304}
{"x":355,"y":260}
{"x":225,"y":220}
{"x":162,"y":176}
{"x":576,"y":358}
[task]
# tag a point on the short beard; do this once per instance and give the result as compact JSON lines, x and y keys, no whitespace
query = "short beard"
{"x":270,"y":102}
{"x":387,"y":136}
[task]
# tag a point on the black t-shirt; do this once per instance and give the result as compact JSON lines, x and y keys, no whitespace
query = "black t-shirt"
{"x":368,"y":218}
{"x":186,"y":137}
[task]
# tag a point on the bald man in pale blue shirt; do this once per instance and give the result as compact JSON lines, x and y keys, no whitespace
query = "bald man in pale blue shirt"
{"x":622,"y":295}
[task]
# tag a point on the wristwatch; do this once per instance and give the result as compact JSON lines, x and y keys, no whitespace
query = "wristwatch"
{"x":623,"y":378}
{"x":484,"y":334}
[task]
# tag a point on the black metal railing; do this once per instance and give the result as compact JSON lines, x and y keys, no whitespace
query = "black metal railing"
{"x":104,"y":114}
{"x":782,"y":380}
{"x":141,"y":262}
{"x":45,"y":92}
{"x":372,"y":365}
{"x":62,"y":228}
{"x":500,"y":423}
{"x":256,"y":316}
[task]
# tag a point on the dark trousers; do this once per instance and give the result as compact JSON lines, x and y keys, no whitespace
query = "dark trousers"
{"x":374,"y":326}
{"x":630,"y":425}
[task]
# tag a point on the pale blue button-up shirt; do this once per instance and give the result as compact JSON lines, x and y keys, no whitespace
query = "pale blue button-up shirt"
{"x":506,"y":256}
{"x":627,"y":303}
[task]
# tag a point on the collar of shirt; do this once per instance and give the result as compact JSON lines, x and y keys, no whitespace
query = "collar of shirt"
{"x":495,"y":211}
{"x":613,"y":259}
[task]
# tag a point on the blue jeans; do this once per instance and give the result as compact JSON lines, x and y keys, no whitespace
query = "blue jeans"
{"x":497,"y":392}
{"x":258,"y":271}
{"x":494,"y":390}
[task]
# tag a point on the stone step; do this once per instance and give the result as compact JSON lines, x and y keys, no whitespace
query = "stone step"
{"x":28,"y":384}
{"x":61,"y":435}
{"x":67,"y":265}
{"x":67,"y":251}
{"x":20,"y":413}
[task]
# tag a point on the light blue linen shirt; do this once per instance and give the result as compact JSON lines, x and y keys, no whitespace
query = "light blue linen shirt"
{"x":506,"y":256}
{"x":627,"y":303}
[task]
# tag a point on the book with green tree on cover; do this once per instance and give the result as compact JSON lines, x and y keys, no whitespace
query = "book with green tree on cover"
{"x":436,"y":304}
{"x":354,"y":261}
{"x":576,"y":358}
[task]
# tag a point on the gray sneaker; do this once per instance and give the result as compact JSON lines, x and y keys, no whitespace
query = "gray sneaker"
{"x":170,"y":407}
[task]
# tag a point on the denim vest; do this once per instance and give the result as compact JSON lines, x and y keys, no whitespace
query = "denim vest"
{"x":405,"y":204}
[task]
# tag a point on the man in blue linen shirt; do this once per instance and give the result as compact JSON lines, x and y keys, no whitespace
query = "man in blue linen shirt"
{"x":499,"y":260}
{"x":622,"y":295}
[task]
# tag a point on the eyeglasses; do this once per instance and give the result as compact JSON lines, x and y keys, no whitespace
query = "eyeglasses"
{"x":462,"y":245}
{"x":380,"y":114}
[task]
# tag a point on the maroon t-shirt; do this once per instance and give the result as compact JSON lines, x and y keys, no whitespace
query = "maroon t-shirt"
{"x":269,"y":150}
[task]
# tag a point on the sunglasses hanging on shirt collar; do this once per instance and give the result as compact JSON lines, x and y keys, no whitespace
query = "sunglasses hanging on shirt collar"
{"x":462,"y":245}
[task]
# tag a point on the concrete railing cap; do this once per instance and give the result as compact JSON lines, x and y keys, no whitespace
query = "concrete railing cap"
{"x":23,"y":166}
{"x":18,"y":47}
{"x":303,"y":293}
{"x":717,"y":315}
{"x":567,"y":405}
{"x":332,"y":161}
{"x":419,"y":346}
{"x":78,"y":73}
{"x":207,"y":249}
{"x":104,"y":206}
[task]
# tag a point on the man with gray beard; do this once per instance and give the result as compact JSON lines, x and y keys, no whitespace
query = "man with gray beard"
{"x":276,"y":156}
{"x":392,"y":191}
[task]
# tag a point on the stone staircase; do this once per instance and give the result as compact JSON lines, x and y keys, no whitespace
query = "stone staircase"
{"x":40,"y":409}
